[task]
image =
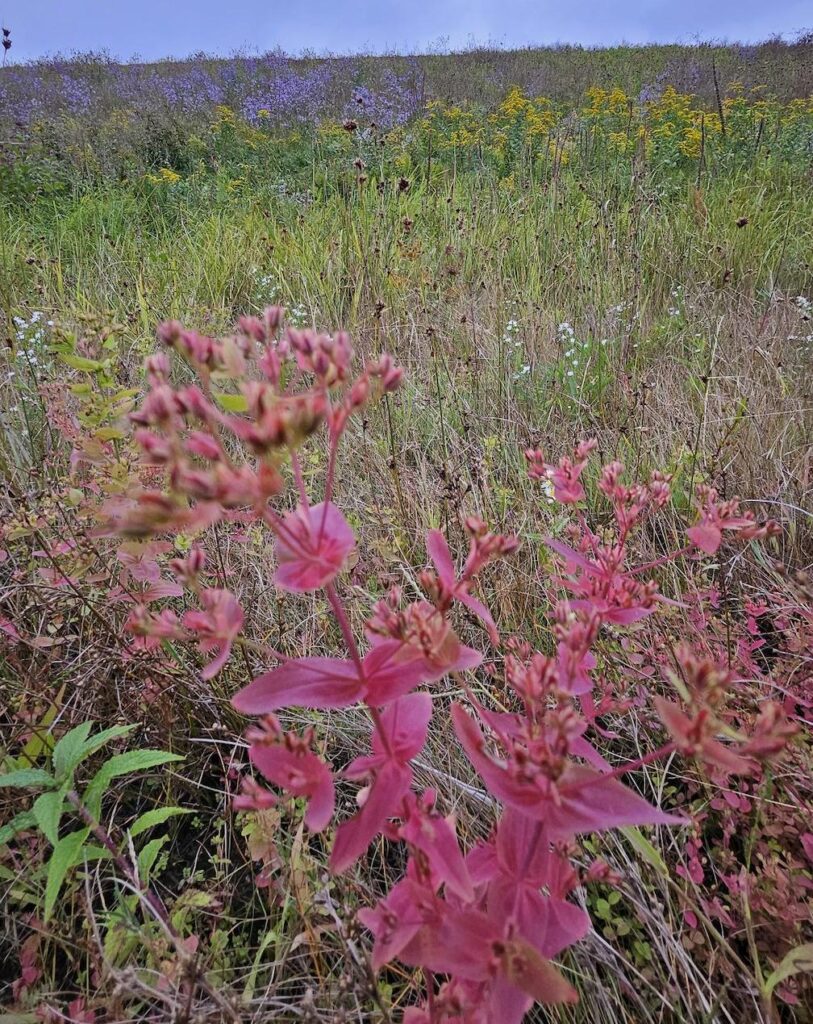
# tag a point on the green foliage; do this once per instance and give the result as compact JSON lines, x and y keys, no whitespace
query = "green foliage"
{"x":61,"y":800}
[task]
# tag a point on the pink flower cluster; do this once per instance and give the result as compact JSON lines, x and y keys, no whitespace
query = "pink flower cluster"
{"x":484,"y":923}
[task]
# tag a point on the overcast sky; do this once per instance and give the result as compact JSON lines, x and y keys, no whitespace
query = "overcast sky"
{"x":159,"y":28}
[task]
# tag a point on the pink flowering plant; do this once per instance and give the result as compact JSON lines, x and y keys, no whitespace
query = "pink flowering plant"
{"x":483,"y":920}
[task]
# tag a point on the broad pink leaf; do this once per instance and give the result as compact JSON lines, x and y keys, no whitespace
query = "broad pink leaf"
{"x":572,"y":558}
{"x":481,"y":611}
{"x":712,"y":751}
{"x":299,"y":772}
{"x":302,"y":682}
{"x":405,"y":724}
{"x":525,"y":969}
{"x":705,"y":536}
{"x":592,"y":802}
{"x":439,"y":552}
{"x":436,"y":838}
{"x":387,"y":678}
{"x":397,"y":919}
{"x":383,"y":801}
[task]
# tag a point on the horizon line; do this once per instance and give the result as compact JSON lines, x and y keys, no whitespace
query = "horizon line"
{"x":798,"y":36}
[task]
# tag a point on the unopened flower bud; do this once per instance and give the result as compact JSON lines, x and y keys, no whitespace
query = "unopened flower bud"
{"x":157,"y":367}
{"x":273,"y":317}
{"x":360,"y":391}
{"x":169,"y":333}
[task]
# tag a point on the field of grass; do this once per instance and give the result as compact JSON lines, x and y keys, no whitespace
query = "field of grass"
{"x":617,"y":260}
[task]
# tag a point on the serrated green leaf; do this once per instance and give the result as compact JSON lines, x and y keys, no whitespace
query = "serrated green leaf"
{"x":24,"y":777}
{"x":148,"y":856}
{"x":797,"y":961}
{"x":231,"y":403}
{"x":68,"y":749}
{"x":91,"y":745}
{"x":21,"y":821}
{"x":47,"y":811}
{"x":152,"y":818}
{"x":122,"y":764}
{"x":62,"y":860}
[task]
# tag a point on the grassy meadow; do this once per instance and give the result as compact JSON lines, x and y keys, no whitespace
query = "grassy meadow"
{"x":555,"y":245}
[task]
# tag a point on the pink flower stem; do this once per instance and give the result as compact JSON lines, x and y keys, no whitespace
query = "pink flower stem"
{"x":347,"y":632}
{"x":330,"y":477}
{"x":279,"y":528}
{"x":296,"y":465}
{"x":630,"y":766}
{"x":661,"y":561}
{"x":344,"y":626}
{"x":586,"y":529}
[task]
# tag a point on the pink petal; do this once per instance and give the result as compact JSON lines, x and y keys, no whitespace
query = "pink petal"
{"x":302,"y":682}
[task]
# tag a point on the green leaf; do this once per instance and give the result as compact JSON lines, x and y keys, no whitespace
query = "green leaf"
{"x":47,"y":810}
{"x":81,"y":363}
{"x":109,"y":434}
{"x":642,"y":845}
{"x":152,"y":818}
{"x":231,"y":403}
{"x":90,"y":746}
{"x":24,"y":777}
{"x":93,"y":852}
{"x":147,"y":857}
{"x":66,"y":753}
{"x":22,"y":821}
{"x":251,"y":983}
{"x":122,"y":764}
{"x":42,"y":740}
{"x":62,"y":860}
{"x":798,"y":960}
